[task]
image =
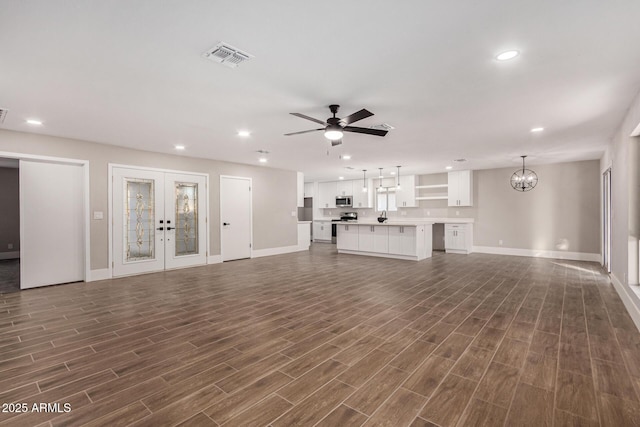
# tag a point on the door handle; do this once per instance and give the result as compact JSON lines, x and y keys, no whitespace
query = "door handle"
{"x":160,"y":228}
{"x":170,"y":228}
{"x":226,"y":223}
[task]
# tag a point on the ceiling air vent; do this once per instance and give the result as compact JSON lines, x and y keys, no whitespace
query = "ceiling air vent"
{"x":3,"y":114}
{"x":459,"y":160}
{"x":227,"y":55}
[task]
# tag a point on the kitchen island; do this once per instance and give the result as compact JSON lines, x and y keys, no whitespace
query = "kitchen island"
{"x":391,"y":239}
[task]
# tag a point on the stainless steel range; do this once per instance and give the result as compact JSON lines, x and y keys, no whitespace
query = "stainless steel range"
{"x":344,"y":217}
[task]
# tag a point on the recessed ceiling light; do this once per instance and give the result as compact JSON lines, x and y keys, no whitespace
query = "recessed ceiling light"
{"x":449,"y":167}
{"x":346,"y":157}
{"x":509,"y":54}
{"x":179,"y":147}
{"x":392,"y":173}
{"x":262,"y":160}
{"x":34,"y":122}
{"x":341,"y":177}
{"x":244,"y":133}
{"x":537,"y":129}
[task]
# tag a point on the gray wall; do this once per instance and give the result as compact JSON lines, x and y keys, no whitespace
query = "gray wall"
{"x":9,"y":209}
{"x":274,"y":190}
{"x":561,"y":214}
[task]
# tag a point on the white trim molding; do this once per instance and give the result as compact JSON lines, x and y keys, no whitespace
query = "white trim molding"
{"x":101,"y":274}
{"x":630,"y":298}
{"x":574,"y":256}
{"x":214,"y":259}
{"x":10,"y":255}
{"x":257,"y":253}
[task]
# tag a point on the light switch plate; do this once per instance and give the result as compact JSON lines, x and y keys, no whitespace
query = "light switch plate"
{"x":98,"y":215}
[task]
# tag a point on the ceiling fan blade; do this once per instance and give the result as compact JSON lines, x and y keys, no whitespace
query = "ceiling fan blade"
{"x":308,"y":118}
{"x":368,"y":131}
{"x":302,"y":131}
{"x":334,"y":143}
{"x":358,"y":115}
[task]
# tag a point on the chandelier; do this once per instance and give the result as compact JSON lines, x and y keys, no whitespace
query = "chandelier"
{"x":524,"y":179}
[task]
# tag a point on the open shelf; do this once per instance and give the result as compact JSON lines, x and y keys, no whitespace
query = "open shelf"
{"x":433,"y":197}
{"x":420,"y":187}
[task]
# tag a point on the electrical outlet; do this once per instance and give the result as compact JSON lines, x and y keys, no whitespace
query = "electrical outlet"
{"x":98,"y":215}
{"x":500,"y":242}
{"x":428,"y":213}
{"x":10,"y":246}
{"x":458,"y":213}
{"x":294,"y":213}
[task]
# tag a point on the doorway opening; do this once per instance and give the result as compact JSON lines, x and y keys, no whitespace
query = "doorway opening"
{"x":9,"y":225}
{"x":606,"y":220}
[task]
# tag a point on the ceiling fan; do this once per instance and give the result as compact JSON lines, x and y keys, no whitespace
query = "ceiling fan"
{"x":334,"y":126}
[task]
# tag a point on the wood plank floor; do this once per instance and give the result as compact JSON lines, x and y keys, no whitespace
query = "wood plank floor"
{"x":317,"y":338}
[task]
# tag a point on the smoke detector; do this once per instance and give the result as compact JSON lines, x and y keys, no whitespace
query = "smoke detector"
{"x":226,"y":54}
{"x":3,"y":114}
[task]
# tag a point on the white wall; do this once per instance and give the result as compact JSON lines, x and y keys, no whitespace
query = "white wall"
{"x":623,"y":156}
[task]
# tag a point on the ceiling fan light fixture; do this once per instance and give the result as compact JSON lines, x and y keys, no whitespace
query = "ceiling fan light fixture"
{"x":333,"y":133}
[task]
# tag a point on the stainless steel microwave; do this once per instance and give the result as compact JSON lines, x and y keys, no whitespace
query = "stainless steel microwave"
{"x":344,"y":201}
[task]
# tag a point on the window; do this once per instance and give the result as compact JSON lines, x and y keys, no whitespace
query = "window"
{"x":387,"y":195}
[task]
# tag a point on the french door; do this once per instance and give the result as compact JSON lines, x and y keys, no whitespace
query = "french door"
{"x":159,"y":220}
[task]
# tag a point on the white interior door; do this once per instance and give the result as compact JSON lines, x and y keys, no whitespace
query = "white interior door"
{"x":51,"y":223}
{"x":185,"y":220}
{"x":235,"y":214}
{"x":138,"y":217}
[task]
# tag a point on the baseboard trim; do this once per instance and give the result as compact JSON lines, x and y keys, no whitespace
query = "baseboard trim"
{"x":214,"y":259}
{"x":574,"y":256}
{"x":257,"y":253}
{"x":630,"y":300}
{"x":10,"y":255}
{"x":101,"y":274}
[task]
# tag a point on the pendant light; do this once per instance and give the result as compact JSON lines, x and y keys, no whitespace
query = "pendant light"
{"x":524,"y":179}
{"x":398,"y":179}
{"x":364,"y":180}
{"x":380,"y":178}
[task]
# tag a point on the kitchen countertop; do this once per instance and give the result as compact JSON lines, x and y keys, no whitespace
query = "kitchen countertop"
{"x":407,"y":221}
{"x":304,"y":222}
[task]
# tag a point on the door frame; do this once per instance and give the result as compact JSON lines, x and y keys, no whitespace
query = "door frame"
{"x":111,"y":166}
{"x":606,"y":218}
{"x":86,"y":225}
{"x":250,"y":213}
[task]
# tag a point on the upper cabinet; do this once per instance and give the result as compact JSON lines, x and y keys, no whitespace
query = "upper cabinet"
{"x":344,"y":188}
{"x":308,"y":189}
{"x":406,"y":195}
{"x":362,"y":198}
{"x":327,"y":192}
{"x":461,"y":188}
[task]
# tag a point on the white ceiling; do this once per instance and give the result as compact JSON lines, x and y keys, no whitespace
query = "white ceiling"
{"x":131,"y":74}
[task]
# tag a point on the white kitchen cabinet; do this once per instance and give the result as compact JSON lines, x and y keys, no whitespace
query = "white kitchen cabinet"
{"x":402,"y":240}
{"x":327,"y":192}
{"x":406,"y":195}
{"x":347,"y":237}
{"x":344,"y":188}
{"x":362,"y":199}
{"x":458,"y":238}
{"x":460,"y":189}
{"x":322,"y":231}
{"x":373,"y":238}
{"x":308,"y":189}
